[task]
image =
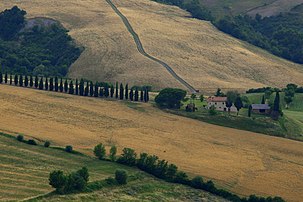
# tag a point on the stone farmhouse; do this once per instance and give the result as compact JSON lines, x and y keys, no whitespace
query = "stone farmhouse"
{"x":219,"y":103}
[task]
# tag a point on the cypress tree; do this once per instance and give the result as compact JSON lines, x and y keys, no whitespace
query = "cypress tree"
{"x":81,"y":87}
{"x":131,"y":95}
{"x":41,"y":84}
{"x":36,"y":82}
{"x":46,"y":83}
{"x":136,"y":95}
{"x":141,"y":96}
{"x":10,"y":79}
{"x":71,"y":88}
{"x":21,"y":81}
{"x":101,"y":92}
{"x":117,"y":93}
{"x":126,"y":92}
{"x":77,"y":87}
{"x":91,"y":89}
{"x":86,"y":89}
{"x":145,"y":94}
{"x":31,"y":81}
{"x":112,"y":91}
{"x":106,"y":91}
{"x":1,"y":77}
{"x":5,"y":77}
{"x":16,"y":80}
{"x":96,"y":91}
{"x":61,"y":85}
{"x":51,"y":84}
{"x":26,"y":81}
{"x":56,"y":84}
{"x":277,"y":102}
{"x":263,"y":100}
{"x":121,"y":91}
{"x":65,"y":86}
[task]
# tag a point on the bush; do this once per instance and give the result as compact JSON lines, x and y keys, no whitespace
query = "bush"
{"x":128,"y":157}
{"x":197,"y":182}
{"x":69,"y":148}
{"x":20,"y":138}
{"x":57,"y":180}
{"x":31,"y":142}
{"x":100,"y":151}
{"x":182,"y":178}
{"x":121,"y":176}
{"x":170,"y":98}
{"x":212,"y":111}
{"x":47,"y":144}
{"x":113,"y":152}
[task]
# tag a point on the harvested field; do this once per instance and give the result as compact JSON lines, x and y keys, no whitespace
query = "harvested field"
{"x":240,"y":161}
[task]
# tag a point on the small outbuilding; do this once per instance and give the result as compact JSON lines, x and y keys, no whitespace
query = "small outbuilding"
{"x":260,"y":108}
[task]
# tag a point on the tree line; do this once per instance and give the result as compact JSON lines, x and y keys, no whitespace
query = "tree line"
{"x":80,"y":87}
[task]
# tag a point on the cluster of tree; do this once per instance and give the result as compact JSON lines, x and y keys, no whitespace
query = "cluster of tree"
{"x":40,"y":50}
{"x":81,"y":88}
{"x":170,"y":98}
{"x":20,"y":138}
{"x":169,"y":172}
{"x":234,"y":98}
{"x":289,"y":91}
{"x":261,"y":90}
{"x":68,"y":183}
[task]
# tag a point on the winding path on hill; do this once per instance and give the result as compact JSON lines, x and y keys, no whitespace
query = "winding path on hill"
{"x":143,"y":52}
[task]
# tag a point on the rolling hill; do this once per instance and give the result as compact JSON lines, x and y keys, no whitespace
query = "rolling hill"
{"x":197,"y":52}
{"x":243,"y":162}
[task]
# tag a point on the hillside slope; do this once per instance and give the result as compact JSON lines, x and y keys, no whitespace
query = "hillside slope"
{"x":198,"y":53}
{"x":241,"y":161}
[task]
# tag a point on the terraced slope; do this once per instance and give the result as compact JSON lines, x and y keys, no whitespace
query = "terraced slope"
{"x":196,"y":51}
{"x":241,"y":161}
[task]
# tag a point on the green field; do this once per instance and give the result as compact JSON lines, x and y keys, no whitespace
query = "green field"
{"x":24,"y":174}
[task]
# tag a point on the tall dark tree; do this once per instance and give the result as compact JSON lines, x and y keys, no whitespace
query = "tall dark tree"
{"x":145,"y":95}
{"x":121,"y":91}
{"x":238,"y":104}
{"x":41,"y":86}
{"x":16,"y":79}
{"x":136,"y":95}
{"x":65,"y":86}
{"x":46,"y":83}
{"x":106,"y":91}
{"x":10,"y":79}
{"x":101,"y":92}
{"x":26,"y":81}
{"x":61,"y":85}
{"x":51,"y":84}
{"x":141,"y":96}
{"x":36,"y":81}
{"x":117,"y":91}
{"x":1,"y":77}
{"x":56,"y":84}
{"x":96,"y":91}
{"x":112,"y":91}
{"x":81,"y":87}
{"x":126,"y":91}
{"x":21,"y":80}
{"x":86,"y":90}
{"x":71,"y":88}
{"x":77,"y":87}
{"x":249,"y":110}
{"x":91,"y":89}
{"x":5,"y":77}
{"x":131,"y":95}
{"x":276,"y":108}
{"x":31,"y":81}
{"x":263,"y":100}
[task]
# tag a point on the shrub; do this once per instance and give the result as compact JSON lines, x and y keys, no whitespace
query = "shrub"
{"x":57,"y":180}
{"x":197,"y":182}
{"x":182,"y":178}
{"x":47,"y":144}
{"x":113,"y":152}
{"x":20,"y":138}
{"x":212,"y":110}
{"x":121,"y":176}
{"x":111,"y":181}
{"x":128,"y":157}
{"x":31,"y":142}
{"x":100,"y":151}
{"x":69,"y":148}
{"x":170,"y":98}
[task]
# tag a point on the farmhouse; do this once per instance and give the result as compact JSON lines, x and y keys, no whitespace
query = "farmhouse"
{"x":219,"y":103}
{"x":260,"y":108}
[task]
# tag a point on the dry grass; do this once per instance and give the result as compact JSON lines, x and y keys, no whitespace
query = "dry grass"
{"x":241,"y":161}
{"x":198,"y":52}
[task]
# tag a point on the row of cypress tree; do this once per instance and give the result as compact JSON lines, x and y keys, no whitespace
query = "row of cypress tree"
{"x":81,"y":88}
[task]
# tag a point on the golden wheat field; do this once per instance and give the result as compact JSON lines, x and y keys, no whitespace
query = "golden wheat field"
{"x":198,"y":52}
{"x":243,"y":162}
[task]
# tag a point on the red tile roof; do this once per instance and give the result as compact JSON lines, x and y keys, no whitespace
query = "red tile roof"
{"x":217,"y":99}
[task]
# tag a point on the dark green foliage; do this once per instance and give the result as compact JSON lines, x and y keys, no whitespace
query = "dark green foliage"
{"x":263,"y":100}
{"x":128,"y":157}
{"x":71,"y":88}
{"x":41,"y":86}
{"x":106,"y":91}
{"x":61,"y":85}
{"x":197,"y":182}
{"x":5,"y":78}
{"x":81,"y":87}
{"x":20,"y":138}
{"x":126,"y":92}
{"x":47,"y":144}
{"x":112,"y":91}
{"x":141,"y":96}
{"x":170,"y":98}
{"x":1,"y":77}
{"x":46,"y":83}
{"x":121,"y":176}
{"x":276,"y":109}
{"x":51,"y":84}
{"x":21,"y":81}
{"x":100,"y":151}
{"x":249,"y":110}
{"x":238,"y":104}
{"x":136,"y":95}
{"x":69,"y":149}
{"x":36,"y":81}
{"x":26,"y":81}
{"x":16,"y":79}
{"x":96,"y":91}
{"x":212,"y":110}
{"x":77,"y":87}
{"x":131,"y":95}
{"x":57,"y":180}
{"x":117,"y":90}
{"x":65,"y":86}
{"x":31,"y":142}
{"x":86,"y":89}
{"x":101,"y":92}
{"x":56,"y":84}
{"x":10,"y":79}
{"x":121,"y":92}
{"x":112,"y":153}
{"x":91,"y":89}
{"x":182,"y":178}
{"x":146,"y":95}
{"x":31,"y":81}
